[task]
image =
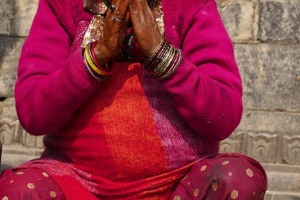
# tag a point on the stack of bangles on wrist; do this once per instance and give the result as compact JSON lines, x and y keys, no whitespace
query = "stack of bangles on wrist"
{"x":164,"y":61}
{"x":99,"y":72}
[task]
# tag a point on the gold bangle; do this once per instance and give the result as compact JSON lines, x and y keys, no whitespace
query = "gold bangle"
{"x":91,"y":63}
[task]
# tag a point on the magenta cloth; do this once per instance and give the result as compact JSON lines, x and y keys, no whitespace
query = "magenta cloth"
{"x":195,"y":109}
{"x":206,"y":89}
{"x":192,"y":111}
{"x":217,"y":177}
{"x":224,"y":176}
{"x":29,"y":184}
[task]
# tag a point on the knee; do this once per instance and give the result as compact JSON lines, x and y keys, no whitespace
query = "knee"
{"x":242,"y":172}
{"x":17,"y":186}
{"x":32,"y":184}
{"x":226,"y":178}
{"x":239,"y":177}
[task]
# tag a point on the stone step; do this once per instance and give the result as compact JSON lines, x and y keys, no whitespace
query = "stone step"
{"x":14,"y":155}
{"x":275,"y":195}
{"x":284,"y":182}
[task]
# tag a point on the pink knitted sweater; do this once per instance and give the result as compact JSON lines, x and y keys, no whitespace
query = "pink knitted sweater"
{"x":200,"y":105}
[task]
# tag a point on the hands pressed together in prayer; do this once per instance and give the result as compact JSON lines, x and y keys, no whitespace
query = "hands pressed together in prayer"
{"x":146,"y":31}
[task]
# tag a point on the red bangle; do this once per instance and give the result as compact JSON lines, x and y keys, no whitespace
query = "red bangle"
{"x":107,"y":69}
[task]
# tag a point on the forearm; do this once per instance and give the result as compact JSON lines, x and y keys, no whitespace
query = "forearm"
{"x":206,"y":88}
{"x":211,"y":108}
{"x":52,"y":83}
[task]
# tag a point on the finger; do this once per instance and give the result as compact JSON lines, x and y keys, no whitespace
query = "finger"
{"x":118,"y":17}
{"x":145,"y":27}
{"x":121,"y":8}
{"x":140,"y":3}
{"x":134,"y":12}
{"x":141,"y":6}
{"x":114,"y":24}
{"x":140,"y":12}
{"x":114,"y":18}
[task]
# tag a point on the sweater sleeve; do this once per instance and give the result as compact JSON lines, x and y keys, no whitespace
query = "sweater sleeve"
{"x":52,"y":83}
{"x":206,"y":88}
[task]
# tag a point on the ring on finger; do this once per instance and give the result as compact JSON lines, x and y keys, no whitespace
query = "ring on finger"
{"x":109,"y":4}
{"x":113,"y":7}
{"x":117,"y":19}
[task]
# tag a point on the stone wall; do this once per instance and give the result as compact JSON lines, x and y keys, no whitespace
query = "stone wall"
{"x":266,"y":35}
{"x":15,"y":20}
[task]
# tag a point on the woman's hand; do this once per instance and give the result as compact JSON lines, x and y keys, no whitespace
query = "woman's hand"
{"x":144,"y":26}
{"x":114,"y":32}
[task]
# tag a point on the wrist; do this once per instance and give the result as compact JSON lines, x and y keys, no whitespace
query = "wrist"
{"x":164,"y":61}
{"x":101,"y":53}
{"x":99,"y":72}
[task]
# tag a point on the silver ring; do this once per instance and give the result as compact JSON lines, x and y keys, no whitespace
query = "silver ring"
{"x":117,"y":19}
{"x":113,"y":7}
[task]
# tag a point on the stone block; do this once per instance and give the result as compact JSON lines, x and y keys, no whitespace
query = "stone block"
{"x":16,"y":16}
{"x":279,"y":21}
{"x":29,"y":140}
{"x":291,"y":150}
{"x":285,"y":182}
{"x":0,"y":151}
{"x":11,"y":131}
{"x":282,"y":196}
{"x":7,"y":83}
{"x":270,"y":76}
{"x":268,"y":148}
{"x":233,"y":143}
{"x":7,"y":109}
{"x":14,"y":155}
{"x":240,"y":19}
{"x":263,"y":147}
{"x":281,"y":123}
{"x":276,"y":167}
{"x":9,"y":57}
{"x":8,"y":126}
{"x":269,"y":137}
{"x":39,"y":142}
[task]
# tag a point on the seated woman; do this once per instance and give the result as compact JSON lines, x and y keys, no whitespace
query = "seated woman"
{"x":133,"y":98}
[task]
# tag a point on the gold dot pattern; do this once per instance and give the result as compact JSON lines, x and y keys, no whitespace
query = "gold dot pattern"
{"x":30,"y":186}
{"x":215,"y":173}
{"x":53,"y":194}
{"x":249,"y":172}
{"x":214,"y":186}
{"x":196,"y":192}
{"x":203,"y":168}
{"x":225,"y":162}
{"x":45,"y":174}
{"x":234,"y":194}
{"x":33,"y":180}
{"x":177,"y":198}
